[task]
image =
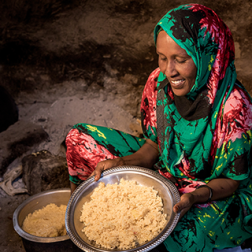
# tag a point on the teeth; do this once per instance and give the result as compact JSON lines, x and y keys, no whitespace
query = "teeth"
{"x":177,"y":82}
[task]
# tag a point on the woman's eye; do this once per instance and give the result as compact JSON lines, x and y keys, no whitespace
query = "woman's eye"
{"x":162,"y":58}
{"x":181,"y":60}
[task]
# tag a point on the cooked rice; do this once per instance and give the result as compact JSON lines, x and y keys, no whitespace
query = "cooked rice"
{"x":123,"y":215}
{"x":46,"y":222}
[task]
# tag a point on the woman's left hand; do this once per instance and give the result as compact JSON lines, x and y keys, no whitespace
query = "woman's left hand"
{"x":186,"y":202}
{"x":221,"y":188}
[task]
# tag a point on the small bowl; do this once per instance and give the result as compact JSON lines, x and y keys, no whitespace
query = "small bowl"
{"x":34,"y":243}
{"x":146,"y":177}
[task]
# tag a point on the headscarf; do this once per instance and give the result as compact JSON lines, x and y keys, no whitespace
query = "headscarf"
{"x":195,"y":140}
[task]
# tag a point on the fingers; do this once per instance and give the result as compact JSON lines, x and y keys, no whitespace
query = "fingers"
{"x":177,"y":208}
{"x":92,"y":174}
{"x":98,"y":171}
{"x":183,"y":205}
{"x":104,"y":165}
{"x":73,"y":187}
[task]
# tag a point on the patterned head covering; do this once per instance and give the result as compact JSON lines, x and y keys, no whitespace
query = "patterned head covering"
{"x":206,"y":38}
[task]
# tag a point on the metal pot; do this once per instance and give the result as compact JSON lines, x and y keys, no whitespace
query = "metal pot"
{"x":41,"y":244}
{"x":147,"y":177}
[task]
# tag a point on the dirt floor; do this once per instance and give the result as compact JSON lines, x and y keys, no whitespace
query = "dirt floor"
{"x":10,"y":240}
{"x":97,"y":50}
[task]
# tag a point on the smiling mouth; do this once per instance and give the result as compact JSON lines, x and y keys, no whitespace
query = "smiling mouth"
{"x":177,"y":83}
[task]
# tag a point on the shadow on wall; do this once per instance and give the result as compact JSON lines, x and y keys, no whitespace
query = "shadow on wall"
{"x":8,"y":110}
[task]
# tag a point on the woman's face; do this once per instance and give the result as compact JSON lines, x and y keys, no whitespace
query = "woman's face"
{"x":175,"y":64}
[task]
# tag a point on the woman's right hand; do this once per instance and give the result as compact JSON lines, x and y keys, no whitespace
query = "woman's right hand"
{"x":106,"y":164}
{"x":146,"y":157}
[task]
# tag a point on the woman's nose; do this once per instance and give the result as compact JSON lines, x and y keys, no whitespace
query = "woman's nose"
{"x":170,"y":69}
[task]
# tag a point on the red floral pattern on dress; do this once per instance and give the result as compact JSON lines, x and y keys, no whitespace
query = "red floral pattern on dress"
{"x":235,"y":120}
{"x":83,"y":154}
{"x":150,"y":93}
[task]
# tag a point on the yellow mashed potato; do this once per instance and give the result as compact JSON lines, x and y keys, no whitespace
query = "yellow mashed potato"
{"x":46,"y":222}
{"x":123,"y":215}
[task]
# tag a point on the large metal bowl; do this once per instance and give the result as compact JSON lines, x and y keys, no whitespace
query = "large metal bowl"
{"x":34,"y":243}
{"x":166,"y":189}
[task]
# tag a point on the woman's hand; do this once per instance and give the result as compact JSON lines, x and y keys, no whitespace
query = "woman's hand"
{"x":106,"y":164}
{"x":72,"y":187}
{"x":186,"y":202}
{"x":221,"y":188}
{"x":146,"y":157}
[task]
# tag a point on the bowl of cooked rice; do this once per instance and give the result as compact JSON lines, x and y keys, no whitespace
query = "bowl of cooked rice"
{"x":128,"y":209}
{"x":40,"y":222}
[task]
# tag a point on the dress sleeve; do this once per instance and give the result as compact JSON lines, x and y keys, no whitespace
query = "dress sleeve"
{"x":233,"y":136}
{"x":148,"y":107}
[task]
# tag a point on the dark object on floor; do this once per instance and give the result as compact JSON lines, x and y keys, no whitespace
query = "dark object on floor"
{"x":8,"y":110}
{"x":18,"y":139}
{"x":43,"y":171}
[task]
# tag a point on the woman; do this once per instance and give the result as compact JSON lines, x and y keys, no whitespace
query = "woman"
{"x":197,"y":121}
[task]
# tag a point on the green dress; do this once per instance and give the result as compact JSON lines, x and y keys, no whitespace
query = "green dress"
{"x":207,"y":133}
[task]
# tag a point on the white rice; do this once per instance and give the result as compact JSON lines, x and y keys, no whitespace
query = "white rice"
{"x":123,"y":215}
{"x":46,"y":222}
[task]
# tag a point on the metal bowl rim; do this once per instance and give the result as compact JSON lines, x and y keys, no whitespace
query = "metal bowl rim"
{"x":144,"y":248}
{"x":28,"y":236}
